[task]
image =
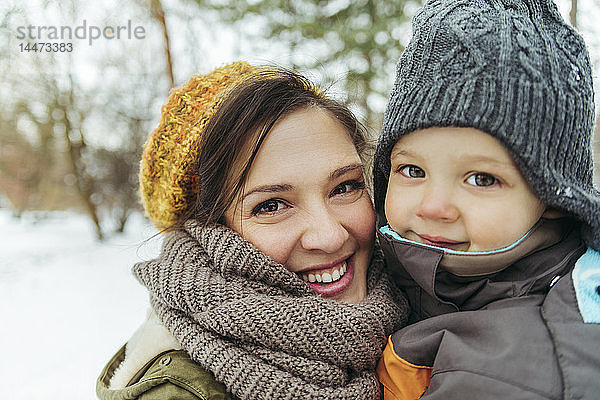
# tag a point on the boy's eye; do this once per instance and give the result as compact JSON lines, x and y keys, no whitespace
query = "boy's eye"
{"x":348,"y":186}
{"x":269,"y":207}
{"x":412,"y":171}
{"x":481,"y":179}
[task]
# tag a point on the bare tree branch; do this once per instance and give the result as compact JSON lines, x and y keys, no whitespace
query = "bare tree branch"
{"x":573,"y":14}
{"x":159,"y":14}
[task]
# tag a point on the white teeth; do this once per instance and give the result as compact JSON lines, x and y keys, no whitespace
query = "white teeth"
{"x":327,"y":277}
{"x":335,"y":275}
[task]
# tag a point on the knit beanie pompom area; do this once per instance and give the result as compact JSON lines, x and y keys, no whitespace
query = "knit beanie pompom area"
{"x":168,"y":176}
{"x":515,"y":70}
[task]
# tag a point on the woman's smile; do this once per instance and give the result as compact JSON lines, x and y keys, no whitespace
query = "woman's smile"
{"x":329,"y":280}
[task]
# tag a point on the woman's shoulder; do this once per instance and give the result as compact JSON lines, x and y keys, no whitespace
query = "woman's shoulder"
{"x":169,"y":375}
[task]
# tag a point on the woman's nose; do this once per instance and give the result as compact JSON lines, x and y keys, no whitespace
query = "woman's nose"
{"x":437,"y":204}
{"x":324,"y":232}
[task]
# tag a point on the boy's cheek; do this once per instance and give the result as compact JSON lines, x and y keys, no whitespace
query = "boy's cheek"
{"x":395,"y":208}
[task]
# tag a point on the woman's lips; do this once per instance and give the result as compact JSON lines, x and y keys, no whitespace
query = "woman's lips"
{"x":332,"y":280}
{"x":439,"y":241}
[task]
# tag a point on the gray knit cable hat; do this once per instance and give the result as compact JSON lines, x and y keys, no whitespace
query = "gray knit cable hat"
{"x":511,"y":68}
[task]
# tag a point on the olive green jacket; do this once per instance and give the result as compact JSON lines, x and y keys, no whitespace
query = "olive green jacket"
{"x":169,"y":375}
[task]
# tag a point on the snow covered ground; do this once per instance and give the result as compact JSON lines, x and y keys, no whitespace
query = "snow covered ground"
{"x":67,"y":302}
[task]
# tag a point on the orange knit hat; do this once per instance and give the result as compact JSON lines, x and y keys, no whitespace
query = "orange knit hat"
{"x":168,"y":179}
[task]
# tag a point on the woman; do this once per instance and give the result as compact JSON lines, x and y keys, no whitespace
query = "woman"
{"x":267,"y":285}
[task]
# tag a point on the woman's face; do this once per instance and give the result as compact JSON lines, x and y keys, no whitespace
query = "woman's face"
{"x":304,"y":204}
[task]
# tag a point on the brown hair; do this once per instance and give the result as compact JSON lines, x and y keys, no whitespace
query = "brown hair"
{"x":243,"y":119}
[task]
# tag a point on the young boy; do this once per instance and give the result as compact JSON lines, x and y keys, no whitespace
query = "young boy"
{"x":491,"y":222}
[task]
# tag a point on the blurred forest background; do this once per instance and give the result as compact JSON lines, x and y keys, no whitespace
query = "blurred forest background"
{"x":72,"y":124}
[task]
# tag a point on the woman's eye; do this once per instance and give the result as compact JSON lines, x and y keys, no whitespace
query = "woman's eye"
{"x":269,"y":207}
{"x":481,"y":179}
{"x":412,"y":171}
{"x":348,"y":186}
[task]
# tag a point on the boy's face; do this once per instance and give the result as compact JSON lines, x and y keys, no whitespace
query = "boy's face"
{"x":458,"y":188}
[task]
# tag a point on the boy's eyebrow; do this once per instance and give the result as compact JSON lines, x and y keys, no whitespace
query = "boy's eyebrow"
{"x":489,"y":160}
{"x":403,"y":152}
{"x":463,"y":158}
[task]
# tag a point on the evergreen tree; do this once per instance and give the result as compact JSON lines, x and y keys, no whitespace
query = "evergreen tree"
{"x":364,"y":37}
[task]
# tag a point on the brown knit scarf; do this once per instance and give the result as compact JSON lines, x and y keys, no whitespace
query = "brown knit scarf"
{"x":259,"y":328}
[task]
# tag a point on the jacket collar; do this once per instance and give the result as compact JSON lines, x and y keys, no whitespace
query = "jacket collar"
{"x":149,"y":340}
{"x":469,"y":281}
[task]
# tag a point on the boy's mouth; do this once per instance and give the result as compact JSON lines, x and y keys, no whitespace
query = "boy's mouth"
{"x":439,"y":241}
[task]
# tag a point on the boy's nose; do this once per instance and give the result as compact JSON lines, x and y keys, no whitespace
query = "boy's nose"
{"x":437,"y":205}
{"x":324,"y":232}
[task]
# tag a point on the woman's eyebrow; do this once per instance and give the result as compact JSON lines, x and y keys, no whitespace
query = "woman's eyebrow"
{"x":284,"y":187}
{"x":344,"y":170}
